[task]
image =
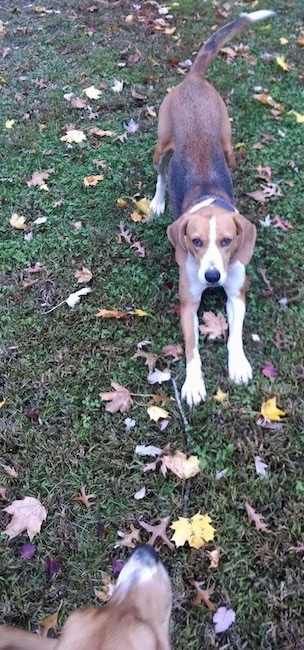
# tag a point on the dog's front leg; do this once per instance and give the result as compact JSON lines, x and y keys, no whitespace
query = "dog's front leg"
{"x":193,"y":390}
{"x":240,"y":370}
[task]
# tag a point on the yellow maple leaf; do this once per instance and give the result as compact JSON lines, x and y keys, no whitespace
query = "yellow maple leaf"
{"x":156,"y":413}
{"x":122,"y":203}
{"x":74,"y":135}
{"x":220,"y":396}
{"x":140,"y":312}
{"x":270,"y":411}
{"x":18,"y":221}
{"x":282,"y":63}
{"x":92,"y":93}
{"x":196,"y":531}
{"x":92,"y":181}
{"x":9,"y":124}
{"x":144,"y":206}
{"x":299,"y":116}
{"x":283,"y":40}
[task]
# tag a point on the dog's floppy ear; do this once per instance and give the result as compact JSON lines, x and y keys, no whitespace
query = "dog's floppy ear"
{"x":176,"y":233}
{"x":246,"y":236}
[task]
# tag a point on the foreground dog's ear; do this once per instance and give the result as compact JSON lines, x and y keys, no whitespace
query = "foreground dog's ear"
{"x":246,"y":236}
{"x":176,"y":233}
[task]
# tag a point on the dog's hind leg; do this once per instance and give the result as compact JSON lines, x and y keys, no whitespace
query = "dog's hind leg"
{"x":157,"y":205}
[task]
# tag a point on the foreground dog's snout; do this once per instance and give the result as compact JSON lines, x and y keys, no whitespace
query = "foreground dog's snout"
{"x":212,"y":276}
{"x":145,"y":555}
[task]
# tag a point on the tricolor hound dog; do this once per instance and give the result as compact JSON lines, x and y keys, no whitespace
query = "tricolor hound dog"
{"x":137,"y":616}
{"x":212,"y":241}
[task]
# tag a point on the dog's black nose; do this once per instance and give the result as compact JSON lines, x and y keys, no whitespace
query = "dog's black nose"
{"x":212,"y":276}
{"x":145,"y":554}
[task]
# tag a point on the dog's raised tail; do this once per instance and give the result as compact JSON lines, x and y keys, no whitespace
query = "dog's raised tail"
{"x":215,"y":43}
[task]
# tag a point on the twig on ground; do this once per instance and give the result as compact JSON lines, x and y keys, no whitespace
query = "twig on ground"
{"x":179,"y":404}
{"x":186,"y":493}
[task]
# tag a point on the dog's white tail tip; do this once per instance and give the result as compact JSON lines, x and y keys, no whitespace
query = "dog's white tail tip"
{"x":254,"y":16}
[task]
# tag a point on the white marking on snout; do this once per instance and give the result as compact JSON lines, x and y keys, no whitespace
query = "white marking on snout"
{"x":212,"y":258}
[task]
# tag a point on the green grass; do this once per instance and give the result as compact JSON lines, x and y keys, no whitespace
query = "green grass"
{"x":58,"y":363}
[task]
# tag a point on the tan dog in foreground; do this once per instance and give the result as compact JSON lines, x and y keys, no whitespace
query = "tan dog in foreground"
{"x":137,"y":616}
{"x":212,"y":241}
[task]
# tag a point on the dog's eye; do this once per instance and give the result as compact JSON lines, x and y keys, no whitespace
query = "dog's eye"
{"x":197,"y":242}
{"x":225,"y":242}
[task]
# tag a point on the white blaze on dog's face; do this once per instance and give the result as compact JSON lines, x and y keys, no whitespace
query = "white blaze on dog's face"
{"x":214,"y":237}
{"x":212,"y":241}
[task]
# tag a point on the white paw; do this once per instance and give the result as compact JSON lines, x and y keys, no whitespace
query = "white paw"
{"x":194,"y":391}
{"x":157,"y":206}
{"x":240,"y":371}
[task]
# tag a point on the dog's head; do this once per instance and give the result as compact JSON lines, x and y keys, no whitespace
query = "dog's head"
{"x":215,"y":238}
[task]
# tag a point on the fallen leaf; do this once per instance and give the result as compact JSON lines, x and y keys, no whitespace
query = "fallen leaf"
{"x":27,"y":551}
{"x":83,"y":275}
{"x":215,"y":326}
{"x":282,"y":63}
{"x":221,"y":474}
{"x":282,"y":225}
{"x":93,"y":180}
{"x":283,"y":40}
{"x":155,"y":413}
{"x":41,"y":220}
{"x":9,"y":124}
{"x":10,"y":471}
{"x":117,"y":86}
{"x":76,"y":102}
{"x":108,"y":313}
{"x":158,"y":531}
{"x":258,"y":195}
{"x":51,"y":567}
{"x":92,"y":92}
{"x":270,"y":411}
{"x":131,"y":127}
{"x":18,"y":221}
{"x":122,"y":203}
{"x":125,"y":234}
{"x":74,"y":298}
{"x":255,"y":517}
{"x":140,"y":494}
{"x":159,"y":376}
{"x":74,"y":135}
{"x":150,"y":111}
{"x":136,"y":217}
{"x":140,"y":312}
{"x":39,"y":178}
{"x":150,"y":358}
{"x":76,"y":225}
{"x":260,"y":466}
{"x":297,"y":549}
{"x":128,"y":539}
{"x":119,"y":400}
{"x":196,"y":531}
{"x":144,"y":206}
{"x":130,"y":423}
{"x":300,"y":40}
{"x":48,"y":623}
{"x":269,"y":370}
{"x":2,"y":404}
{"x":269,"y":101}
{"x":101,"y":133}
{"x":107,"y":588}
{"x":3,"y":491}
{"x":174,"y":350}
{"x":220,"y":396}
{"x":28,"y":514}
{"x":84,"y":497}
{"x":222,"y":619}
{"x":180,"y":465}
{"x":149,"y":450}
{"x":214,"y":557}
{"x":203,"y":596}
{"x":140,"y":249}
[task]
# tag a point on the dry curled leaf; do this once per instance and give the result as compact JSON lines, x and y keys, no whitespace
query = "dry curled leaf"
{"x":18,"y":221}
{"x":119,"y":400}
{"x":255,"y":517}
{"x":111,"y":313}
{"x":159,"y":376}
{"x":84,"y":497}
{"x":215,"y":326}
{"x":39,"y":178}
{"x":203,"y":595}
{"x":48,"y":623}
{"x":93,"y":180}
{"x":150,"y":358}
{"x":100,"y":132}
{"x":174,"y":350}
{"x":124,"y":234}
{"x":156,"y":413}
{"x":10,"y":471}
{"x":128,"y":539}
{"x":158,"y":531}
{"x":28,"y":514}
{"x":83,"y":275}
{"x":214,"y":557}
{"x":105,"y":592}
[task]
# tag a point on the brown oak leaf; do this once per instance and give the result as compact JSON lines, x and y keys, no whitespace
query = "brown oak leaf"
{"x":124,"y":234}
{"x":158,"y":531}
{"x":48,"y":623}
{"x":84,"y":497}
{"x":255,"y":517}
{"x":215,"y":326}
{"x":203,"y":595}
{"x":150,"y":358}
{"x":128,"y":539}
{"x":140,"y":249}
{"x":119,"y":400}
